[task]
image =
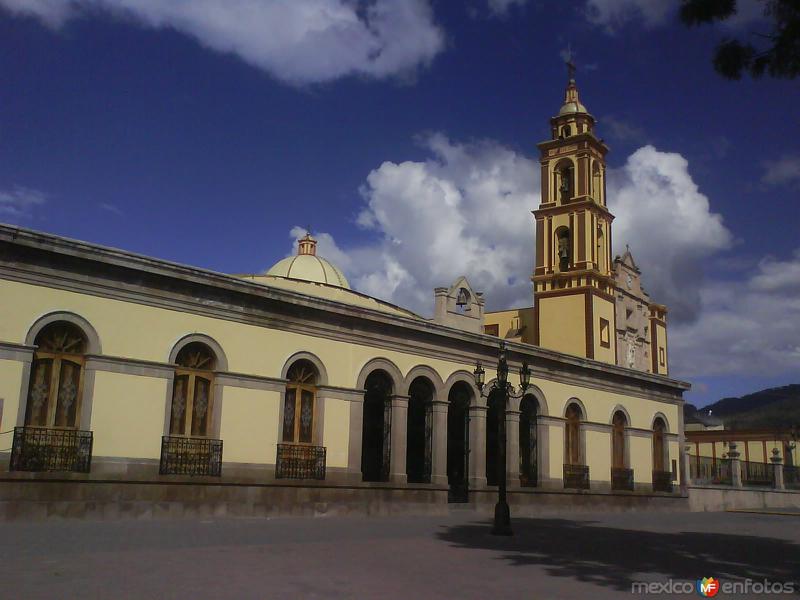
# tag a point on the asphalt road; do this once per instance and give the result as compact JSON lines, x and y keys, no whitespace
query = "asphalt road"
{"x":417,"y":558}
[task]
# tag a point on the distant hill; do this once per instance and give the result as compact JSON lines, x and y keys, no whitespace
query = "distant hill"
{"x":771,"y":408}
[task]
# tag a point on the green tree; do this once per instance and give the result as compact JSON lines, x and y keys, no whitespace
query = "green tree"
{"x":776,"y":53}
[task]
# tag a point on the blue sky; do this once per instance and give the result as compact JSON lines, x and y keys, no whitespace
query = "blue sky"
{"x":404,"y":133}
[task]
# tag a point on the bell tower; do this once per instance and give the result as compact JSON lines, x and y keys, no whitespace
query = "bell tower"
{"x":572,"y":278}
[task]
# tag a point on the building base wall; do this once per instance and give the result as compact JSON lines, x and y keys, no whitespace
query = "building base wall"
{"x":40,"y":499}
{"x":708,"y":499}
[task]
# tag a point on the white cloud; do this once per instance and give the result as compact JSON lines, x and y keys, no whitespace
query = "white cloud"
{"x":297,"y":41}
{"x":669,"y":225}
{"x":750,"y":327}
{"x":466,"y":210}
{"x":785,"y":170}
{"x":20,"y":202}
{"x":622,"y":130}
{"x":112,"y":208}
{"x":500,"y":8}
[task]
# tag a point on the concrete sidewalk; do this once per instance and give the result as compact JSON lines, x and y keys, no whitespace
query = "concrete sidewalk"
{"x":591,"y":556}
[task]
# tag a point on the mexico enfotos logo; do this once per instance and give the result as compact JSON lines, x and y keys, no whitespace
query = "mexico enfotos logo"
{"x":708,"y":587}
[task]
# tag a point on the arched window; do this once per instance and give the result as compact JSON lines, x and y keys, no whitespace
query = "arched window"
{"x":528,"y":452}
{"x":376,"y":428}
{"x":419,"y":431}
{"x":618,"y":440}
{"x":601,"y":250}
{"x":56,"y":383}
{"x":566,"y":185}
{"x":659,"y":449}
{"x":662,"y":475}
{"x":564,"y":248}
{"x":298,"y":403}
{"x":572,"y":436}
{"x":192,"y":391}
{"x":597,"y":183}
{"x":566,"y":131}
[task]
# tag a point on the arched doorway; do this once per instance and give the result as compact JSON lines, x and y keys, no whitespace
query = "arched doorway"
{"x":459,"y":399}
{"x":493,"y":406}
{"x":621,"y":476}
{"x":377,"y":427}
{"x":528,"y":448}
{"x":419,"y":432}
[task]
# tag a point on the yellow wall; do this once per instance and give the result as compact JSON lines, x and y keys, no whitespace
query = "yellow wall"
{"x":507,"y":320}
{"x":599,"y":407}
{"x":661,"y":343}
{"x":562,"y":324}
{"x":641,"y":462}
{"x":603,"y":309}
{"x":598,"y":455}
{"x":249,"y":427}
{"x":129,"y":411}
{"x":128,"y":415}
{"x":10,"y":378}
{"x":337,"y":431}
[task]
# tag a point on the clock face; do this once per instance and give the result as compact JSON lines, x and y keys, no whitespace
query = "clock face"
{"x":630,"y":281}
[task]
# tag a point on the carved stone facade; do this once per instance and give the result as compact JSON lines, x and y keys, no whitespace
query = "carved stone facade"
{"x":633,"y":315}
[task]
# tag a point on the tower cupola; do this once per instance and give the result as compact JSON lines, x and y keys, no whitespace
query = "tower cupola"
{"x":573,"y":118}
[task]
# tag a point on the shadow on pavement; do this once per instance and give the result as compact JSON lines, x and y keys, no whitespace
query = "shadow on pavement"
{"x":615,"y":558}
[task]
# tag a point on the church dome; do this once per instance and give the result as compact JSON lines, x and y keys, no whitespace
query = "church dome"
{"x":573,"y":107}
{"x":307,"y":266}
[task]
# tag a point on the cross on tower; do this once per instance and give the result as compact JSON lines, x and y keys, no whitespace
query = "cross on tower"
{"x":570,"y":64}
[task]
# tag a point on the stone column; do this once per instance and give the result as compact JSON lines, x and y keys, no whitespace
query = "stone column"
{"x":777,"y":469}
{"x":736,"y":465}
{"x":512,"y":448}
{"x":477,"y":446}
{"x":397,"y":457}
{"x":354,"y":447}
{"x":439,"y":441}
{"x":686,"y":466}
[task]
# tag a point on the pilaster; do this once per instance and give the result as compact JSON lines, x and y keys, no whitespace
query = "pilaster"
{"x":439,"y":449}
{"x":397,"y":457}
{"x":477,"y":446}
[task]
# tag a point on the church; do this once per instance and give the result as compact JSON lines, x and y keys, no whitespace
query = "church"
{"x":135,"y":387}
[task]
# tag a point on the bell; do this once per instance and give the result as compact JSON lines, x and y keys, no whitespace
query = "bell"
{"x":463,"y":298}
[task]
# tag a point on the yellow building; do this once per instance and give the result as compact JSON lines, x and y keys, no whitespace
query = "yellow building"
{"x":122,"y":376}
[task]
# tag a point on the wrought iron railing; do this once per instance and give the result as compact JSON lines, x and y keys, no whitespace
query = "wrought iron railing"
{"x":296,"y":461}
{"x":706,"y":470}
{"x":622,"y":479}
{"x":756,"y":473}
{"x":576,"y":477}
{"x":42,"y":449}
{"x":190,"y":456}
{"x":791,"y":477}
{"x":662,"y":481}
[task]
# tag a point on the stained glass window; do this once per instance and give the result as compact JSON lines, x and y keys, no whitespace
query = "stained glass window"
{"x":192,"y":391}
{"x":54,"y":391}
{"x":298,"y":406}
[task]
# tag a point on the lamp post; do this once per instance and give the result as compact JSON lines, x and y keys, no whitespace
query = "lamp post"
{"x":503,"y":390}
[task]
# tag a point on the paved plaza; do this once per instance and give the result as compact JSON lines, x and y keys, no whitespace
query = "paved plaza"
{"x":417,"y":558}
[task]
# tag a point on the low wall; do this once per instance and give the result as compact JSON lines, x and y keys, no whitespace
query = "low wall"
{"x":51,"y":497}
{"x":716,"y":498}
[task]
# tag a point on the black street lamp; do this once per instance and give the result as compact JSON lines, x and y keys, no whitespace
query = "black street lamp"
{"x":503,"y":391}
